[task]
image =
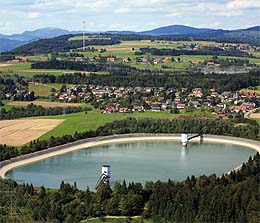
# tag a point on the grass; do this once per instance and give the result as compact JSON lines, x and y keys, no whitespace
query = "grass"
{"x":25,"y":70}
{"x":6,"y":106}
{"x":44,"y":89}
{"x":93,"y":119}
{"x":250,"y":88}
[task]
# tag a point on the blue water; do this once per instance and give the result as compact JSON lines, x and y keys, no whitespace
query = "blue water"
{"x":139,"y":162}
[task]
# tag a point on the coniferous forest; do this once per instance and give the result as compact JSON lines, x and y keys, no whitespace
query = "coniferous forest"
{"x":232,"y":197}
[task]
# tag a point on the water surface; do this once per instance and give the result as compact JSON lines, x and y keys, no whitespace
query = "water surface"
{"x":139,"y":162}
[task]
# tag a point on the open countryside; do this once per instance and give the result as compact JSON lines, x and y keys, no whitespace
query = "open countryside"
{"x":118,"y":116}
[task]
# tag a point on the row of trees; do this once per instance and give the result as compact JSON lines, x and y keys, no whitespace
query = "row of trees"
{"x":231,"y":198}
{"x":221,"y":82}
{"x":34,"y":110}
{"x":131,"y":125}
{"x":214,"y":51}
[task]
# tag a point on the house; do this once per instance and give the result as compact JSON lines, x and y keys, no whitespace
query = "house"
{"x":111,"y":59}
{"x":195,"y":104}
{"x":180,"y":106}
{"x":239,"y":108}
{"x":166,"y":60}
{"x":156,"y":108}
{"x":138,"y":108}
{"x":126,"y":60}
{"x":124,"y":110}
{"x":211,"y":63}
{"x":157,"y":60}
{"x":249,"y":105}
{"x":109,"y":110}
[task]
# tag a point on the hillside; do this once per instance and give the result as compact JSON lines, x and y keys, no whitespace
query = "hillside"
{"x":6,"y":44}
{"x":175,"y":30}
{"x":9,"y":42}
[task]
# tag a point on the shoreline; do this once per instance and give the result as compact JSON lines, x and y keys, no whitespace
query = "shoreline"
{"x":8,"y":165}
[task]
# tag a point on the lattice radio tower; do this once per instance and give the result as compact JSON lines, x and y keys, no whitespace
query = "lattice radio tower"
{"x":83,"y":36}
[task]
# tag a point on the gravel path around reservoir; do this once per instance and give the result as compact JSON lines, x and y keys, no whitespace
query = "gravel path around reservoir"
{"x":8,"y":165}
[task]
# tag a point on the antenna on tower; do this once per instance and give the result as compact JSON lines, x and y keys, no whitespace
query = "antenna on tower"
{"x":83,"y":36}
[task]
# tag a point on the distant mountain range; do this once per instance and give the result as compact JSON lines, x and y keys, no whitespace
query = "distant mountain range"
{"x":9,"y":42}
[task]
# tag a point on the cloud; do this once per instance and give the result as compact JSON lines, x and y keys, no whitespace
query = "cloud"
{"x":34,"y":15}
{"x":243,"y":4}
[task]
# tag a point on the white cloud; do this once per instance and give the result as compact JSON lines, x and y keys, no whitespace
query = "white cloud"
{"x":243,"y":4}
{"x":34,"y":15}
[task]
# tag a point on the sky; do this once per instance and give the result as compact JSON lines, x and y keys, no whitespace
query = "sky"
{"x":17,"y":16}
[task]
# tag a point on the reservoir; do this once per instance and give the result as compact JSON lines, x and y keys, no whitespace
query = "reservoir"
{"x":133,"y":161}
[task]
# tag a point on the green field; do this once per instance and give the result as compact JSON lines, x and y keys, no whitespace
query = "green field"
{"x":25,"y":70}
{"x":6,"y":106}
{"x":44,"y":89}
{"x":93,"y":119}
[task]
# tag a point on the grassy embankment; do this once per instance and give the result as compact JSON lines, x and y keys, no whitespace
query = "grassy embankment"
{"x":93,"y":119}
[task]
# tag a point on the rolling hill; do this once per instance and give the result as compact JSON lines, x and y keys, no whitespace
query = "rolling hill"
{"x":175,"y":30}
{"x":9,"y":42}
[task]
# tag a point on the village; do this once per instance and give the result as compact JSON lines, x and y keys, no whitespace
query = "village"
{"x":139,"y":99}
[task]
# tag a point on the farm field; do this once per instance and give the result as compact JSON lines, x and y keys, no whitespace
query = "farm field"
{"x":45,"y":104}
{"x":21,"y":131}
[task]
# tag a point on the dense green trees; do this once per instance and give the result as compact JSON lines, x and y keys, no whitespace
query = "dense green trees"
{"x":214,"y":51}
{"x":134,"y":78}
{"x":34,"y":110}
{"x":232,"y":197}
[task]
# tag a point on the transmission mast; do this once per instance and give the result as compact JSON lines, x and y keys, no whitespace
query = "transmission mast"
{"x":83,"y":36}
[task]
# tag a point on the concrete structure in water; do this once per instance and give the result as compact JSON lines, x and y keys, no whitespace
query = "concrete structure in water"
{"x":105,"y":176}
{"x":185,"y":138}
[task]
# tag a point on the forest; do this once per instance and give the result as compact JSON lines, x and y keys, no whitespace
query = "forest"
{"x":221,"y":82}
{"x":231,"y":127}
{"x":214,"y":51}
{"x":33,"y":110}
{"x":231,"y":197}
{"x":57,"y":44}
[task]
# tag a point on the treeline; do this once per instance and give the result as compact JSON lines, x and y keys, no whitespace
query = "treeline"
{"x":214,"y":51}
{"x":221,"y":82}
{"x":33,"y":110}
{"x":85,"y":66}
{"x":67,"y":65}
{"x":131,"y":125}
{"x":232,"y":197}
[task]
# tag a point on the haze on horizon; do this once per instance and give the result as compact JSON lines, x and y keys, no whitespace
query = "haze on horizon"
{"x":135,"y":15}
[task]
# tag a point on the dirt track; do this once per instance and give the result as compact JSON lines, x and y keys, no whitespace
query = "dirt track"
{"x":21,"y":131}
{"x":255,"y":115}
